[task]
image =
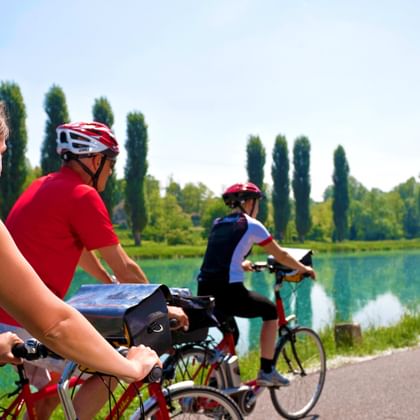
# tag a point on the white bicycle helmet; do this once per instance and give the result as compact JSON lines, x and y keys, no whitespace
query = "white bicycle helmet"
{"x":84,"y":139}
{"x":79,"y":140}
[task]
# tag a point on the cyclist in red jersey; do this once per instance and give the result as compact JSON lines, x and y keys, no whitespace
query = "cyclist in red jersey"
{"x":222,"y":272}
{"x":60,"y":221}
{"x":48,"y":318}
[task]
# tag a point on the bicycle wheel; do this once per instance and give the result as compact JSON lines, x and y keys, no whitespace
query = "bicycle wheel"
{"x":195,"y":402}
{"x":197,"y":363}
{"x":301,"y":358}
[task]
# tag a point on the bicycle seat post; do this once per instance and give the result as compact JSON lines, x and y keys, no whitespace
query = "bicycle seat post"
{"x":62,"y":388}
{"x":279,"y":301}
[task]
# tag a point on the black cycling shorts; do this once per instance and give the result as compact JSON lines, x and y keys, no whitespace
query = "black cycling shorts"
{"x":236,"y":300}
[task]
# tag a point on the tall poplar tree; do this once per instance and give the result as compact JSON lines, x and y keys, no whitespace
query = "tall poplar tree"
{"x":55,"y":107}
{"x":340,"y":204}
{"x":14,"y":165}
{"x":102,"y":112}
{"x":281,"y":187}
{"x":302,"y":186}
{"x":135,"y":174}
{"x":255,"y":169}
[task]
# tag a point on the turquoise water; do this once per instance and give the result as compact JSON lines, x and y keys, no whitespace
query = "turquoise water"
{"x":374,"y":289}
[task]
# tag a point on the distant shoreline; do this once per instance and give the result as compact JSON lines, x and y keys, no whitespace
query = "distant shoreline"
{"x":155,"y":250}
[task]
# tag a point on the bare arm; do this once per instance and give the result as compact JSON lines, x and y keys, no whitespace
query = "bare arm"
{"x":125,"y":269}
{"x":286,"y":259}
{"x":91,"y":264}
{"x":59,"y":326}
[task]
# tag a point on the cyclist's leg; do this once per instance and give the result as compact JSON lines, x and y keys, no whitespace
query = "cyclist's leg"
{"x":268,"y":338}
{"x":92,"y":396}
{"x":249,"y":304}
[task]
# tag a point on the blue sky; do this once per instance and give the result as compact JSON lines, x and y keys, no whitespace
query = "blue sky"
{"x":207,"y":74}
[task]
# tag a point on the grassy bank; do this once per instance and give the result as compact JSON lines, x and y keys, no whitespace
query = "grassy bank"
{"x":162,"y":250}
{"x":374,"y":341}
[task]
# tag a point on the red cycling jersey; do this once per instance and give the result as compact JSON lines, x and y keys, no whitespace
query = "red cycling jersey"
{"x":51,"y":223}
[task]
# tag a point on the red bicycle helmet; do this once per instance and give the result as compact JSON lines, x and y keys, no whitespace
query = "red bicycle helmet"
{"x":238,"y":193}
{"x":84,"y":139}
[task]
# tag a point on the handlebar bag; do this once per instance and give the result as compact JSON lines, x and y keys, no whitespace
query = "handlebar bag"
{"x":199,"y":310}
{"x":302,"y":255}
{"x":127,"y":314}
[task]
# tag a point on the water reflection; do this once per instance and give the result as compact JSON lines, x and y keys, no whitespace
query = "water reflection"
{"x":323,"y":308}
{"x":384,"y":310}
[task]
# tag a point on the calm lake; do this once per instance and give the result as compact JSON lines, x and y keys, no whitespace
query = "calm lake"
{"x":368,"y":288}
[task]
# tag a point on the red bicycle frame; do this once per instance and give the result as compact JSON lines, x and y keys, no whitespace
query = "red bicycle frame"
{"x":29,"y":399}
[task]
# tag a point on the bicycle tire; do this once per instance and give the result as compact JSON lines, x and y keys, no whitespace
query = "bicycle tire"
{"x":195,"y":402}
{"x":196,"y":363}
{"x":297,"y":399}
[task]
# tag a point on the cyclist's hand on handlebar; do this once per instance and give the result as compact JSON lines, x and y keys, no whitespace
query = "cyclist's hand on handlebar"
{"x":7,"y":341}
{"x":174,"y":312}
{"x":247,"y":265}
{"x":145,"y":360}
{"x":308,"y":271}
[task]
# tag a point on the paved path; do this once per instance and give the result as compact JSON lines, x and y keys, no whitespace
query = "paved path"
{"x":385,"y":388}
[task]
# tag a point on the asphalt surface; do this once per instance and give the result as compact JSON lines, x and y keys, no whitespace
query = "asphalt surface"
{"x":386,"y":387}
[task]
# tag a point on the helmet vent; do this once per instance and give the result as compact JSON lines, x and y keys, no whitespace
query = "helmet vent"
{"x":63,"y":137}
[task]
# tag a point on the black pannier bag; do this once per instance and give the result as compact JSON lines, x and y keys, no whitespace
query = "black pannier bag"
{"x":127,"y":314}
{"x":199,"y":310}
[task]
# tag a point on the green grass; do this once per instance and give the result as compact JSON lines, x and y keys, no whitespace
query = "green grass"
{"x":155,"y":250}
{"x":375,"y":340}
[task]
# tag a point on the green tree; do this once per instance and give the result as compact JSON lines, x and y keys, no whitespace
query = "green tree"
{"x":177,"y":224}
{"x":321,"y":215}
{"x":135,"y":172}
{"x":14,"y":162}
{"x":55,"y":107}
{"x":340,"y":204}
{"x":302,"y":186}
{"x":357,"y":193}
{"x":193,"y":197}
{"x":377,"y":216}
{"x":155,"y":229}
{"x":215,"y":207}
{"x":409,"y":192}
{"x":255,"y":169}
{"x":31,"y":174}
{"x":102,"y":112}
{"x":281,"y":187}
{"x":174,"y":189}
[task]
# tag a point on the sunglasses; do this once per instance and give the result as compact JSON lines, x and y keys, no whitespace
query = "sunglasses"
{"x":112,"y":161}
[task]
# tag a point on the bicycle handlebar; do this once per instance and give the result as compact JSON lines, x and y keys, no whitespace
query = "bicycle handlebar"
{"x":31,"y":349}
{"x":287,"y":273}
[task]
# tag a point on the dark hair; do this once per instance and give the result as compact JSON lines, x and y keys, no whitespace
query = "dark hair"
{"x":4,"y":129}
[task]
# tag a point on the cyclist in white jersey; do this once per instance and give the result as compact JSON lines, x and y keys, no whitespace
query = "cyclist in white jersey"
{"x":222,"y":272}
